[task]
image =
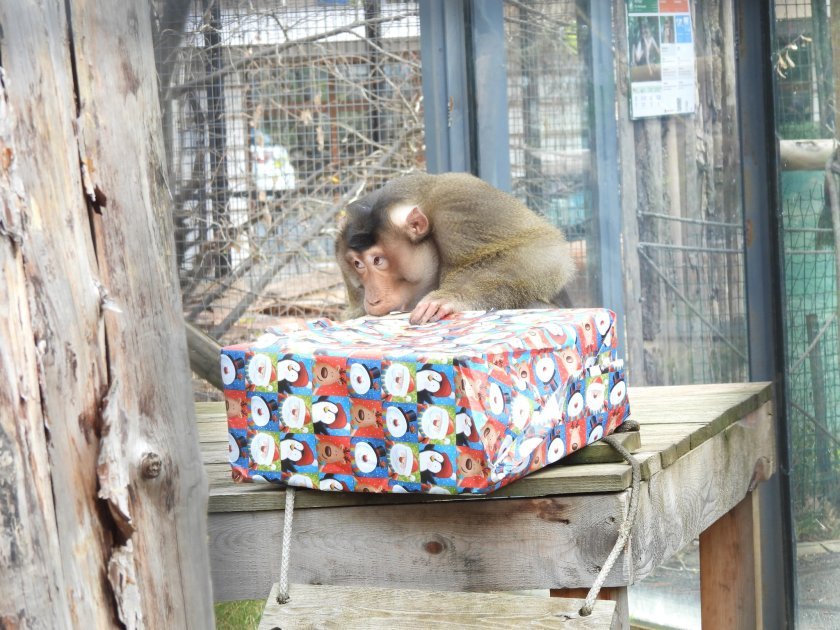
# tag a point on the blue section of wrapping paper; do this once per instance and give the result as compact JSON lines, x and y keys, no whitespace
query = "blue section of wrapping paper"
{"x":466,"y":404}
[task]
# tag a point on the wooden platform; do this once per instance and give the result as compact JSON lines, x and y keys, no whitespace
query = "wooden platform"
{"x":348,"y":608}
{"x":702,"y":447}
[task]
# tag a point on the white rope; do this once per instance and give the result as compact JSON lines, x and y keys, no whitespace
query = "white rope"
{"x":283,"y":595}
{"x":623,"y":541}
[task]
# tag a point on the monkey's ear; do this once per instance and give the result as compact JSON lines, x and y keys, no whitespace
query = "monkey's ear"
{"x":417,"y":223}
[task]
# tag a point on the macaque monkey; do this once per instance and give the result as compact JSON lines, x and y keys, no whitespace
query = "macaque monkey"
{"x":439,"y":244}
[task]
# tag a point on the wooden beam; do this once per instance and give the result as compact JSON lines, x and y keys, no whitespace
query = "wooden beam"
{"x":806,"y":155}
{"x":730,"y":569}
{"x":204,"y":355}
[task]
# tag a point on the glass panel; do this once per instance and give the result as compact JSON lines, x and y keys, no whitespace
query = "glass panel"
{"x":548,"y":98}
{"x":683,"y":239}
{"x":804,"y":98}
{"x":275,"y":114}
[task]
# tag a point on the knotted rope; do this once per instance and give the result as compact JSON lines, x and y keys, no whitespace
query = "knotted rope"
{"x":624,"y":531}
{"x":283,"y":595}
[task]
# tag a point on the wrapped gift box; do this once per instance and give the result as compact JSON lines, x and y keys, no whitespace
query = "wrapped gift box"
{"x":466,"y":404}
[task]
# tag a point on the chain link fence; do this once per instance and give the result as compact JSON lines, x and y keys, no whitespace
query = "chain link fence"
{"x":277,"y":114}
{"x":805,"y":110}
{"x":549,"y":103}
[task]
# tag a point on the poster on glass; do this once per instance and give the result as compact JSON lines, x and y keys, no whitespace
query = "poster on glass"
{"x":661,"y":55}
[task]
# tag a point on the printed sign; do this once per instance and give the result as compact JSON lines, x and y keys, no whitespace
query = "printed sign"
{"x":661,"y":55}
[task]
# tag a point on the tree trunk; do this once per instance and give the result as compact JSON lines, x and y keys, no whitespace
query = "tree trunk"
{"x":102,"y":493}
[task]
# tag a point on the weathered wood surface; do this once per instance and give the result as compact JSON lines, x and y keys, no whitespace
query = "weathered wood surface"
{"x":351,"y":608}
{"x":103,"y":512}
{"x":553,"y":540}
{"x":29,"y":543}
{"x":700,"y":487}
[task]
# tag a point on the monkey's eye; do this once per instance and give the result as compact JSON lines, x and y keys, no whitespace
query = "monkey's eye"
{"x":378,"y":261}
{"x":358,"y":264}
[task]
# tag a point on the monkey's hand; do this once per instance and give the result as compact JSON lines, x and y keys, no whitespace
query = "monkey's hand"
{"x":433,"y":307}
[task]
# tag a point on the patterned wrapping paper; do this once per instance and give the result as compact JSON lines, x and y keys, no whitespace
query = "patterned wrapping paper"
{"x":467,"y":404}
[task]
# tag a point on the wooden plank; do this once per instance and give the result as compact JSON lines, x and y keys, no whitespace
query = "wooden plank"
{"x":381,"y":608}
{"x":719,"y":402}
{"x":511,"y":544}
{"x":730,"y":566}
{"x":684,"y":499}
{"x":204,"y":355}
{"x":602,"y":453}
{"x":617,"y":594}
{"x":556,"y":479}
{"x":514,"y":544}
{"x":671,"y":441}
{"x":699,"y":403}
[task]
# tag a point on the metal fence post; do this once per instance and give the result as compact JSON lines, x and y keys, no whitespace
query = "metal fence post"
{"x":764,"y":294}
{"x":446,"y":99}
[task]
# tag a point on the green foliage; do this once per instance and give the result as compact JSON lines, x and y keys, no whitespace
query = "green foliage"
{"x":240,"y":615}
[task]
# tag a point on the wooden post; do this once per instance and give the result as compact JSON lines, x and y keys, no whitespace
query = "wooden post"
{"x":102,"y":494}
{"x":730,"y":569}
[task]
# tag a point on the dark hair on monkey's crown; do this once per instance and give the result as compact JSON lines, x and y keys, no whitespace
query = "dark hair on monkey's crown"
{"x":367,"y":218}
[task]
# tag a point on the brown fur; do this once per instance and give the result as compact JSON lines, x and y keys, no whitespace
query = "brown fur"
{"x":493,"y":251}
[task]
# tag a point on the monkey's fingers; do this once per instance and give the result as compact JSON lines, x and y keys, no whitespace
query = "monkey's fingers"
{"x":431,"y":311}
{"x":419,"y":315}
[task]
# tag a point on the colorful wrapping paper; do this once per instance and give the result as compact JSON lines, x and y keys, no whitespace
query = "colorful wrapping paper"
{"x":466,"y":404}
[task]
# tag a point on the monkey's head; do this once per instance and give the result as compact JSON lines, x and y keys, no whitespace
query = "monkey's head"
{"x":387,"y":260}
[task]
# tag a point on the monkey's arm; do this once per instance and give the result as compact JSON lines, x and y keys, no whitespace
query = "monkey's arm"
{"x":518,"y":278}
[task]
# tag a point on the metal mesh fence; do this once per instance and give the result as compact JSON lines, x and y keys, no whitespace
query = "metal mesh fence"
{"x":813,"y":369}
{"x":805,"y":110}
{"x":276,"y":115}
{"x":698,"y":264}
{"x":549,"y":106}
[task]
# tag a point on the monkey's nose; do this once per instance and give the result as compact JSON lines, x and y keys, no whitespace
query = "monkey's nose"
{"x":374,"y":302}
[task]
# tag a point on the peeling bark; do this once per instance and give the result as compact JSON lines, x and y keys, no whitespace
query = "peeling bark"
{"x":123,"y":580}
{"x":112,"y":467}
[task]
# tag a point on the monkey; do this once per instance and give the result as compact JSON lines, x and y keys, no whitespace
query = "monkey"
{"x":439,"y":244}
